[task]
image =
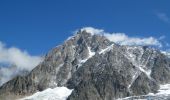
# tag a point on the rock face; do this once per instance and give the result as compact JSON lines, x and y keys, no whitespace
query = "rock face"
{"x":10,"y":71}
{"x":96,"y":69}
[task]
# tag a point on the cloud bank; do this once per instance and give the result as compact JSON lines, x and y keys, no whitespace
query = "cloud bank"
{"x":13,"y":61}
{"x":123,"y":39}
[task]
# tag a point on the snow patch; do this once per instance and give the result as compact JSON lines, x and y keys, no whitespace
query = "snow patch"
{"x":69,"y":38}
{"x":106,"y":49}
{"x":58,"y":68}
{"x":58,"y":93}
{"x":163,"y":94}
{"x":91,"y":54}
{"x":134,"y":77}
{"x":164,"y":90}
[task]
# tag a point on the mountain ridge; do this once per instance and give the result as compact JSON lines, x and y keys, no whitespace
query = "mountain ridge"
{"x":95,"y":68}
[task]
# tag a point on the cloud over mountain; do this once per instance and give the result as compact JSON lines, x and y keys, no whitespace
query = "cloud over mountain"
{"x":123,"y":39}
{"x":13,"y":61}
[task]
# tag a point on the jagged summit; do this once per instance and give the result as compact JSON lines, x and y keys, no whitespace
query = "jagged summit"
{"x":95,"y":68}
{"x":91,"y":30}
{"x":88,"y":31}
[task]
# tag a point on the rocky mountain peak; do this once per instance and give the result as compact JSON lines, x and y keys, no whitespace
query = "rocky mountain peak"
{"x":95,"y":68}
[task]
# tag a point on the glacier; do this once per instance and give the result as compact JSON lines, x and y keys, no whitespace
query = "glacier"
{"x":58,"y":93}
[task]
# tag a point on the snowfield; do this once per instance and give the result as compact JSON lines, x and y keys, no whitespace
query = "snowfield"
{"x":58,"y":93}
{"x":62,"y":93}
{"x":163,"y":94}
{"x":164,"y":90}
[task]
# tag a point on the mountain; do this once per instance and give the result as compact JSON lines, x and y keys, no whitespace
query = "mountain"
{"x":10,"y":71}
{"x":94,"y":68}
{"x":166,"y":53}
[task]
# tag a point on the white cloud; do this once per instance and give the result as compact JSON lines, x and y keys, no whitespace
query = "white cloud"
{"x":163,"y":16}
{"x":123,"y":39}
{"x":17,"y":57}
{"x":7,"y":73}
{"x":162,"y":37}
{"x":93,"y":30}
{"x":14,"y":60}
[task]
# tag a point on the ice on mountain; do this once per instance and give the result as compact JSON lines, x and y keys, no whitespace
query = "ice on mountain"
{"x":58,"y":93}
{"x":163,"y":94}
{"x":91,"y":54}
{"x":106,"y":49}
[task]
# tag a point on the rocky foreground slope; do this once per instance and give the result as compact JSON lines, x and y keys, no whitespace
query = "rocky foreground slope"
{"x":96,"y":69}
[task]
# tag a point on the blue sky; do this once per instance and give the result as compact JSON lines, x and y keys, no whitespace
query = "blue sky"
{"x":38,"y":25}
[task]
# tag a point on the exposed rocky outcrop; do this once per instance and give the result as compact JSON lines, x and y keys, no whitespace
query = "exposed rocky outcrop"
{"x":96,"y":69}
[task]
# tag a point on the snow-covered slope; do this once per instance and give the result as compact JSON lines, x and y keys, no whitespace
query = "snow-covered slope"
{"x":163,"y":94}
{"x":58,"y":93}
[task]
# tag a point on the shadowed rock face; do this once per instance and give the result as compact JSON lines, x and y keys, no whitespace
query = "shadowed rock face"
{"x":113,"y":75}
{"x":96,"y":69}
{"x":103,"y":79}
